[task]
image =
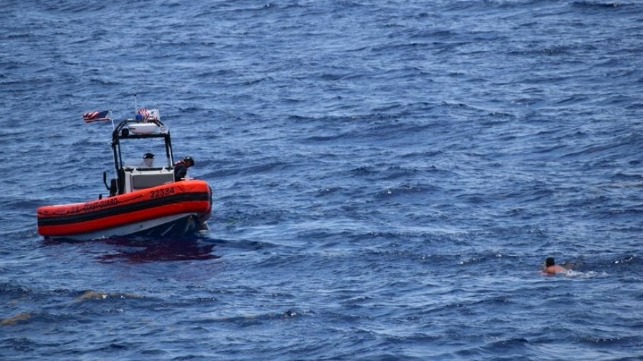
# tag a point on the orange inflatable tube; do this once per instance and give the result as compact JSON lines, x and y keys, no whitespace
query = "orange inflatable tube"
{"x":191,"y":196}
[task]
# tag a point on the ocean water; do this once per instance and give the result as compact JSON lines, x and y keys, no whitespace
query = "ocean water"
{"x":388,"y":178}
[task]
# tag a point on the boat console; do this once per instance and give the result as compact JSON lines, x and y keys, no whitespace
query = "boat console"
{"x":129,"y":178}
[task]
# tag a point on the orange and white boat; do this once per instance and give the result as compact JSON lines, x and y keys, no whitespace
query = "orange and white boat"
{"x":143,"y":200}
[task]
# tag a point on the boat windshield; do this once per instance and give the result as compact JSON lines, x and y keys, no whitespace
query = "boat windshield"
{"x":134,"y":150}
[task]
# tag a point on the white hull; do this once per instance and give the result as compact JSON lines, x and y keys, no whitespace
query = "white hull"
{"x":170,"y":221}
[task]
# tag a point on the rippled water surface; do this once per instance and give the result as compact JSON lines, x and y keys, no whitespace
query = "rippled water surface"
{"x":388,"y":179}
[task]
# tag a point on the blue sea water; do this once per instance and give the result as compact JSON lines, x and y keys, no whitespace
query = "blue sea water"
{"x":388,"y":176}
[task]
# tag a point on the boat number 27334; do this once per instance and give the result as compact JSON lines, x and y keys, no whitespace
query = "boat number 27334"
{"x":160,"y":193}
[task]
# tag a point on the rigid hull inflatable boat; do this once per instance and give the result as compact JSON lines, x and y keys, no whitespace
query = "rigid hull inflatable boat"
{"x":143,"y":200}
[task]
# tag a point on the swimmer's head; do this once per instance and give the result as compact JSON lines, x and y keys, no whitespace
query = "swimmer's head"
{"x":549,"y":262}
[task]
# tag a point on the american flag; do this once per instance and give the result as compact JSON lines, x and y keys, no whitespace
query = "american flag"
{"x":143,"y":114}
{"x":91,"y":117}
{"x":147,"y":115}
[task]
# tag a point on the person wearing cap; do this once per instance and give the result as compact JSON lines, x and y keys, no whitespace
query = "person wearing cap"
{"x":148,"y":160}
{"x":551,"y":268}
{"x":181,"y":168}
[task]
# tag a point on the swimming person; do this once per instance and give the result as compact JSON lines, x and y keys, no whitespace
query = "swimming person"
{"x":551,"y":268}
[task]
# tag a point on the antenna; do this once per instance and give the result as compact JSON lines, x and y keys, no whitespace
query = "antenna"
{"x":111,"y":115}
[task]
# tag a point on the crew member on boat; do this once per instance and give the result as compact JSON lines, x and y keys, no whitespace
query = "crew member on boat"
{"x":148,"y":160}
{"x":181,"y":168}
